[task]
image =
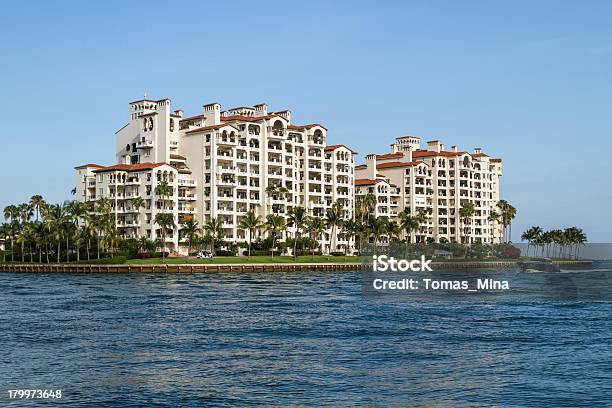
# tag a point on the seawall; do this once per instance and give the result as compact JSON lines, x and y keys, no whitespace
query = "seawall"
{"x":280,"y":267}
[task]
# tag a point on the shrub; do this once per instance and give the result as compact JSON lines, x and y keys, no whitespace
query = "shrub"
{"x":510,"y":251}
{"x":225,"y":252}
{"x":106,"y":261}
{"x":337,"y":253}
{"x":147,"y":255}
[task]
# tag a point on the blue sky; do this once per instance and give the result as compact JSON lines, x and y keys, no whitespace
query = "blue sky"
{"x":527,"y":81}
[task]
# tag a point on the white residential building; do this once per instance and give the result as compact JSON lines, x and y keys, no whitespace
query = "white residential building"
{"x":219,"y":164}
{"x":439,"y":182}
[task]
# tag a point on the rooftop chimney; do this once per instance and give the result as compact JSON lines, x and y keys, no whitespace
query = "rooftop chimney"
{"x":477,"y":150}
{"x":371,"y":166}
{"x":261,"y":109}
{"x":454,"y":148}
{"x":179,"y":113}
{"x":434,"y":146}
{"x":212,"y":113}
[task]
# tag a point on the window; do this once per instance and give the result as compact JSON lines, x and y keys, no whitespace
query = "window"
{"x":172,"y":125}
{"x":127,"y":147}
{"x":133,"y":147}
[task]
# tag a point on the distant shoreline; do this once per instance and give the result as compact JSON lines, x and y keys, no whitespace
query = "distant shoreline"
{"x":253,"y":267}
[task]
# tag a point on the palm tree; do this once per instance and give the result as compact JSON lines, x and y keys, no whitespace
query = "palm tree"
{"x":56,"y":219}
{"x":213,"y":229}
{"x":165,"y":221}
{"x":315,"y":226}
{"x":251,"y":222}
{"x":11,"y":213}
{"x":367,"y":205}
{"x":393,"y":230}
{"x":138,"y":203}
{"x":77,"y":211}
{"x":297,"y":219}
{"x":377,"y":226}
{"x":466,"y":212}
{"x":36,"y":202}
{"x":531,"y":236}
{"x":163,"y":190}
{"x":353,"y":230}
{"x":274,"y":224}
{"x":507,"y":213}
{"x":408,"y":223}
{"x":334,"y":220}
{"x":191,"y":230}
{"x":493,"y":218}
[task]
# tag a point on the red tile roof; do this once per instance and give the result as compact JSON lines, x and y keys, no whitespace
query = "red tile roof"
{"x":297,"y":127}
{"x":88,"y":165}
{"x":129,"y":167}
{"x":496,"y":160}
{"x":480,"y":155}
{"x":427,"y":153}
{"x":192,"y":118}
{"x":367,"y":182}
{"x":334,"y":147}
{"x":250,"y":118}
{"x":212,"y":127}
{"x":389,"y":155}
{"x":397,"y":164}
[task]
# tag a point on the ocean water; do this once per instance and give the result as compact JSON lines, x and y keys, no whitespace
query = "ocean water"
{"x":292,"y":339}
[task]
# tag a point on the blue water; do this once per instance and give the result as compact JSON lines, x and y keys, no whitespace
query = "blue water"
{"x":295,"y":339}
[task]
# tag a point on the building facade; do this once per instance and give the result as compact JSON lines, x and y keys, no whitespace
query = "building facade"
{"x":218,"y":164}
{"x":437,"y":182}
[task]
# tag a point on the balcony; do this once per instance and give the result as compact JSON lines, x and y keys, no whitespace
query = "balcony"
{"x":144,"y":144}
{"x":187,"y":183}
{"x":187,"y":197}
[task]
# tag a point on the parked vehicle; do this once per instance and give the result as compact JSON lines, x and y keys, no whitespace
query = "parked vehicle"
{"x":204,"y":255}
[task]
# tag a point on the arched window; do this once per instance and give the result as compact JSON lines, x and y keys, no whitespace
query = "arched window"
{"x":172,"y":125}
{"x":150,"y":123}
{"x":127,"y":147}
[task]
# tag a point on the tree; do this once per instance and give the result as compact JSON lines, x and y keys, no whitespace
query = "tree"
{"x":408,"y":223}
{"x":315,"y":226}
{"x":251,"y":222}
{"x":353,"y":230}
{"x":77,"y":211}
{"x":138,"y":203}
{"x":377,"y":226}
{"x":466,"y":212}
{"x":191,"y":230}
{"x":367,"y":205}
{"x":163,"y":190}
{"x":297,"y":219}
{"x":213,"y":230}
{"x":531,"y":236}
{"x":274,"y":224}
{"x":37,"y":202}
{"x":507,"y":214}
{"x":11,"y":213}
{"x":165,"y":222}
{"x":334,"y":220}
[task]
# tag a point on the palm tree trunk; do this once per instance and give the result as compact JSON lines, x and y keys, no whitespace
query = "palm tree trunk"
{"x":31,"y":253}
{"x":22,"y":251}
{"x":59,"y":242}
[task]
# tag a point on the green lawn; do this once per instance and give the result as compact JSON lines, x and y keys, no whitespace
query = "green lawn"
{"x":253,"y":259}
